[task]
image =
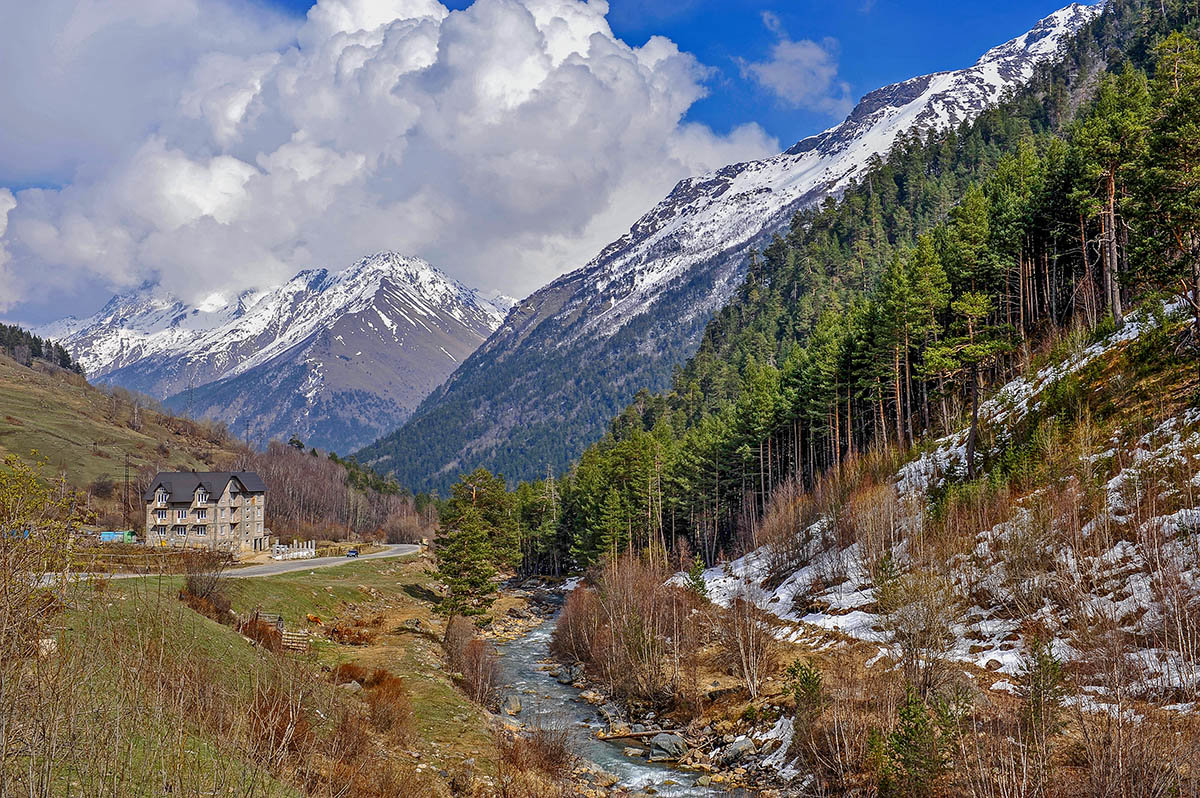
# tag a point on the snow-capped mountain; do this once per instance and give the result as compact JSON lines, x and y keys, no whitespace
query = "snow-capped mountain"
{"x":334,"y":357}
{"x":574,"y":353}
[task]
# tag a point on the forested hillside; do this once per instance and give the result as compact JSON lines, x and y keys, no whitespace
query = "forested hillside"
{"x":23,"y":347}
{"x":880,"y":319}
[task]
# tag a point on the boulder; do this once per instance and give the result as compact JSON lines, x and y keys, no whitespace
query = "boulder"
{"x":667,"y":746}
{"x":512,"y":704}
{"x":632,"y":751}
{"x":735,"y":752}
{"x":413,"y":624}
{"x":603,"y":778}
{"x":351,"y":686}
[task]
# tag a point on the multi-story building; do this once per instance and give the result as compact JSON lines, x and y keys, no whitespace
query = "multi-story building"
{"x":209,"y":509}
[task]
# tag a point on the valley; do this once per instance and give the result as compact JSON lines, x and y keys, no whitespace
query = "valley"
{"x":867,"y":469}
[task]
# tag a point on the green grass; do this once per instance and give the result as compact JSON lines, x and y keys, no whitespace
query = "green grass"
{"x":81,"y":433}
{"x":450,"y":728}
{"x":323,"y":591}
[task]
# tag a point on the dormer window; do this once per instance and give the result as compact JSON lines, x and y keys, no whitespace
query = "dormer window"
{"x":161,"y":496}
{"x":202,"y":496}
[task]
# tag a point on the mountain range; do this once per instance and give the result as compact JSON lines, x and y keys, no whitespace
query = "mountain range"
{"x":570,"y":356}
{"x":335,"y":358}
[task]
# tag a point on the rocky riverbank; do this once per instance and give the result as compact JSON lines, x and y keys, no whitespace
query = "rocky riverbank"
{"x":744,"y":755}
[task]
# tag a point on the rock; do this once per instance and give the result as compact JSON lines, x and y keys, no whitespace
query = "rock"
{"x":603,"y":778}
{"x":631,"y":751}
{"x":638,"y":728}
{"x":667,"y":746}
{"x":592,"y":697}
{"x":992,"y":665}
{"x":413,"y":623}
{"x":735,"y":752}
{"x":512,"y":704}
{"x":703,"y":781}
{"x":351,"y":686}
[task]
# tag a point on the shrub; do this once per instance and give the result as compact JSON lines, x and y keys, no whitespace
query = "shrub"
{"x":391,"y":706}
{"x":919,"y":610}
{"x":538,"y":763}
{"x":578,"y":626}
{"x":459,"y":633}
{"x":354,"y":632}
{"x":805,"y":684}
{"x":748,"y":644}
{"x":481,"y":672}
{"x":264,"y":634}
{"x":914,"y":757}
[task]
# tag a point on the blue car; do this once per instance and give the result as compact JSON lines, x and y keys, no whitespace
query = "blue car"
{"x":352,"y":553}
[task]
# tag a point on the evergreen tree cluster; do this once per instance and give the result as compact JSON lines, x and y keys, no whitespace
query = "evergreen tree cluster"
{"x":25,"y":347}
{"x":879,"y":318}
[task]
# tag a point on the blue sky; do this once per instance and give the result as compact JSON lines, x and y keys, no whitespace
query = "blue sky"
{"x":878,"y":42}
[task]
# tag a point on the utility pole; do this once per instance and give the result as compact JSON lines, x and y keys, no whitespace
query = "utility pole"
{"x":126,"y":502}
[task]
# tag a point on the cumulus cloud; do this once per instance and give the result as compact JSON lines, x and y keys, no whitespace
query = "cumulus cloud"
{"x":803,"y":74}
{"x":506,"y":142}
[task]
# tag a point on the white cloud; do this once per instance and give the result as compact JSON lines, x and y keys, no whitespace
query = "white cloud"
{"x":507,"y":142}
{"x":803,"y":73}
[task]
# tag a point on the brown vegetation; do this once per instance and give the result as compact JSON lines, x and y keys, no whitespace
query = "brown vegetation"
{"x":637,"y":634}
{"x":537,"y":762}
{"x":311,"y":497}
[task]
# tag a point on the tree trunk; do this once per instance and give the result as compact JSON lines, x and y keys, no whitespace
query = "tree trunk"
{"x":896,"y":387}
{"x":1112,"y":276}
{"x":974,"y":432}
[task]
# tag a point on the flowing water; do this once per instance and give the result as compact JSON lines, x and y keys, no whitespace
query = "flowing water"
{"x":541,"y":694}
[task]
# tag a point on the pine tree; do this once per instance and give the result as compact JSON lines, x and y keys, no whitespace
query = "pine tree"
{"x":464,"y":565}
{"x":967,"y":354}
{"x":1112,"y":140}
{"x":1168,"y":205}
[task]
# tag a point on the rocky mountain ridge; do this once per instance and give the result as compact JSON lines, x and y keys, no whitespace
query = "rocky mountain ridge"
{"x":571,"y":355}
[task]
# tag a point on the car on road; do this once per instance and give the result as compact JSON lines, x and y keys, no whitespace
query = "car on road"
{"x":352,"y":553}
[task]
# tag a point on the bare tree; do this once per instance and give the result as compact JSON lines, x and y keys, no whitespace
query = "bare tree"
{"x":749,"y":647}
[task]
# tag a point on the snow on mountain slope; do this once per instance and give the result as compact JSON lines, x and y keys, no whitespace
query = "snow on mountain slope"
{"x":570,"y":356}
{"x":1111,"y":536}
{"x":387,"y":329}
{"x":711,"y":213}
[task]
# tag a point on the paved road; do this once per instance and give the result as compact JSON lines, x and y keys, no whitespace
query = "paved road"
{"x":278,"y":566}
{"x":287,"y":566}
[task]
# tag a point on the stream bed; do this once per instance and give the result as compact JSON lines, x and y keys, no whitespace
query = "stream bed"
{"x":542,"y":694}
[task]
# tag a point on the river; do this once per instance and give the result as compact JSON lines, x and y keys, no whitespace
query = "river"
{"x":541,"y":693}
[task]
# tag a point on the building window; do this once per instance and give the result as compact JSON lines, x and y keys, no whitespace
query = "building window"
{"x":201,"y":514}
{"x":202,"y":496}
{"x":180,"y":531}
{"x":181,"y":515}
{"x":161,"y":496}
{"x":223,"y":511}
{"x":201,"y":530}
{"x":161,"y":531}
{"x":161,"y":515}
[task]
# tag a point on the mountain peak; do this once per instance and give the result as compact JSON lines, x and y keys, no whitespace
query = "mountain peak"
{"x":1044,"y":38}
{"x":641,"y":305}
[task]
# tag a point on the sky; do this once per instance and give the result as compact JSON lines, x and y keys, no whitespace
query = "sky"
{"x":218,"y":145}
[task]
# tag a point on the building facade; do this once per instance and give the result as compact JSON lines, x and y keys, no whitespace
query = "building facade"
{"x":210,"y":509}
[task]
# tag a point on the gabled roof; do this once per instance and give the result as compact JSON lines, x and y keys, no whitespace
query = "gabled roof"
{"x":181,"y":485}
